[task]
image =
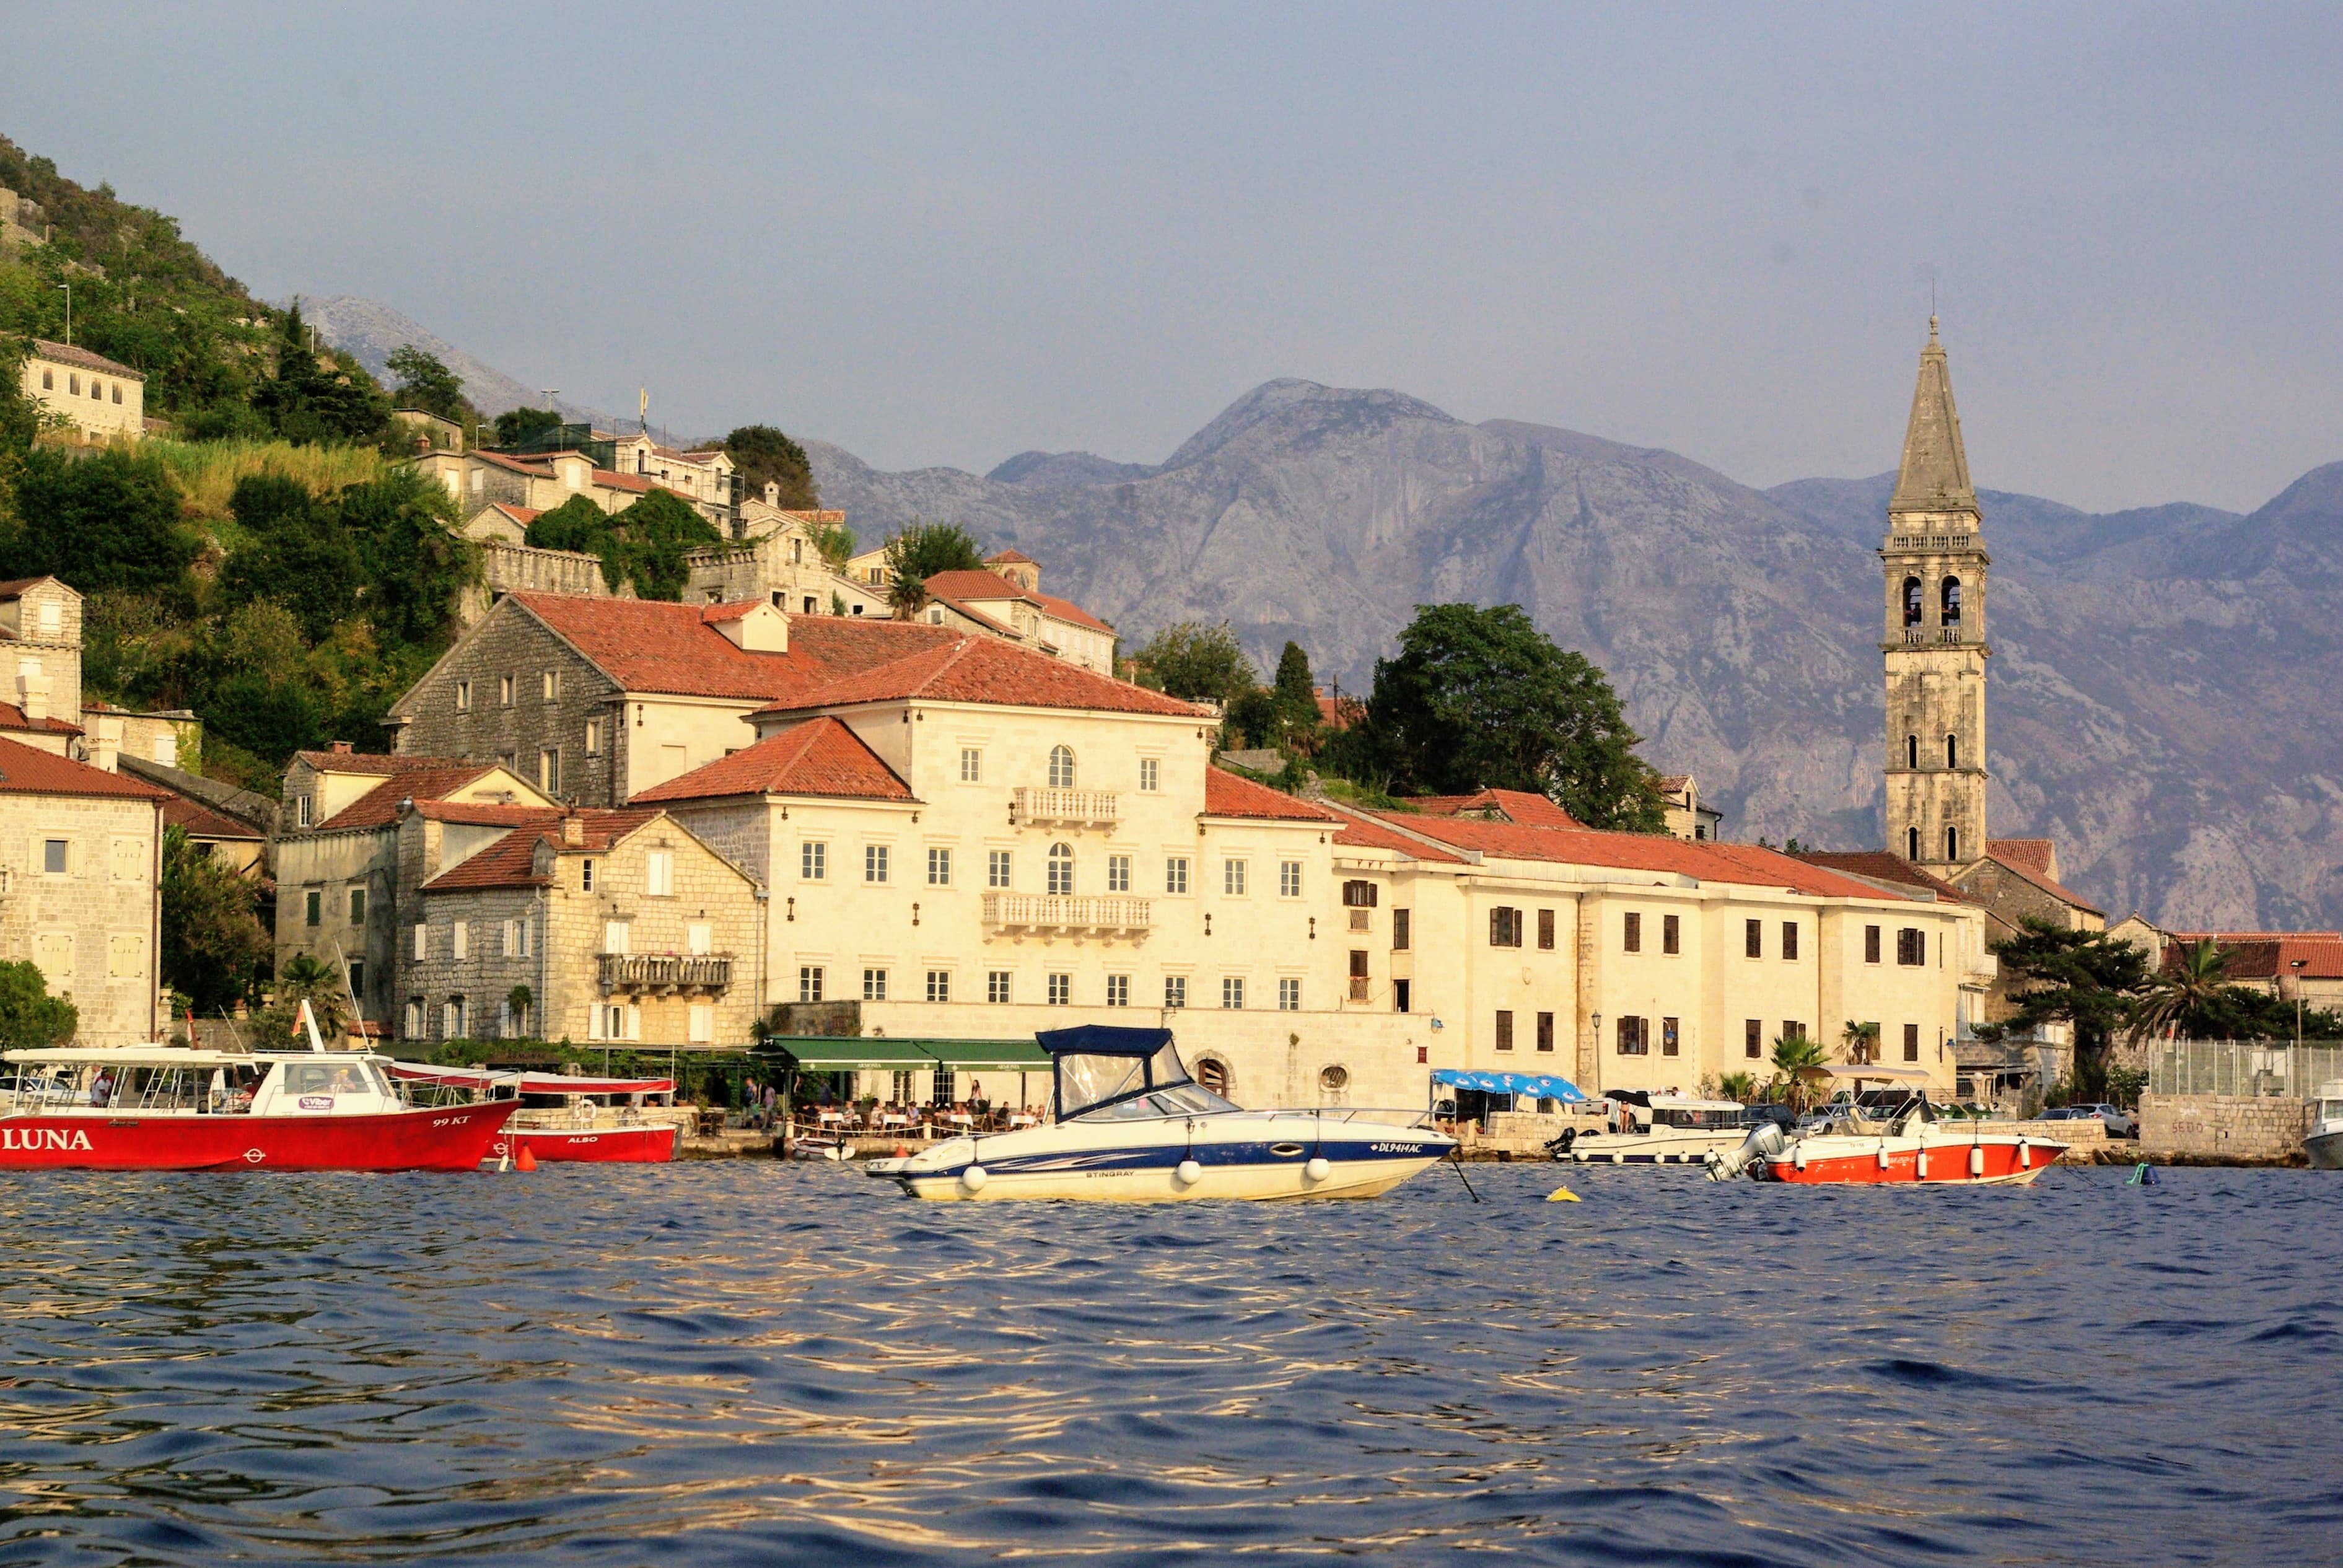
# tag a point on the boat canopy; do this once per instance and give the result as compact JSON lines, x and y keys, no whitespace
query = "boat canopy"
{"x":1100,"y":1065}
{"x":1104,"y":1040}
{"x":1537,"y":1085}
{"x":530,"y":1082}
{"x":1874,"y":1070}
{"x":148,"y":1056}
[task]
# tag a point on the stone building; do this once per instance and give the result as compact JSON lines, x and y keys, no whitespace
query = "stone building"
{"x":594,"y":925}
{"x":40,"y":632}
{"x":98,"y":398}
{"x":1684,"y":813}
{"x":80,"y":873}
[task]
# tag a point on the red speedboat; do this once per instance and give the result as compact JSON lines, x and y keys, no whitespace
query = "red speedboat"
{"x":167,"y":1107}
{"x":602,"y":1121}
{"x":1911,"y":1148}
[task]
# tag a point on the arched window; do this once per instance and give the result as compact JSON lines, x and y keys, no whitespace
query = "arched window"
{"x":1062,"y":768}
{"x":1912,"y":752}
{"x":1952,"y":843}
{"x":1951,"y":596}
{"x":1212,"y":1074}
{"x":1911,"y":843}
{"x":1061,"y":869}
{"x":1952,"y":751}
{"x":1911,"y":601}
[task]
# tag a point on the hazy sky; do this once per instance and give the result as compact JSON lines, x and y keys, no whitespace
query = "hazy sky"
{"x":944,"y":235}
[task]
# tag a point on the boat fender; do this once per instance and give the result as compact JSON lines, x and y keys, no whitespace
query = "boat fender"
{"x":2025,"y":1152}
{"x":1618,"y":1160}
{"x":1318,"y":1169}
{"x":1920,"y":1164}
{"x":1882,"y":1154}
{"x":1976,"y":1159}
{"x":1798,"y":1158}
{"x":1188,"y":1172}
{"x":971,"y":1179}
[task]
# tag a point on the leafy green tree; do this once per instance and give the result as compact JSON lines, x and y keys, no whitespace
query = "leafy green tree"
{"x":1740,"y":1086}
{"x":577,"y":524}
{"x":1196,"y":661}
{"x":30,"y":1018}
{"x":1480,"y":698}
{"x":515,"y":426}
{"x":295,"y":551}
{"x":657,"y":531}
{"x":1296,"y":690}
{"x":107,"y":521}
{"x":2182,"y":994}
{"x":1252,"y":719}
{"x":304,"y":978}
{"x":417,"y":561}
{"x":318,"y":396}
{"x":213,"y":943}
{"x":762,"y":455}
{"x":1861,"y":1040}
{"x":919,"y":552}
{"x":425,"y":383}
{"x":835,"y":542}
{"x":2087,"y":979}
{"x":20,"y":421}
{"x":1795,"y":1057}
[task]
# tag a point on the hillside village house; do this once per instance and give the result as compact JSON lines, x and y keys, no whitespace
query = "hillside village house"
{"x":99,"y":399}
{"x":1684,"y":813}
{"x":40,"y":637}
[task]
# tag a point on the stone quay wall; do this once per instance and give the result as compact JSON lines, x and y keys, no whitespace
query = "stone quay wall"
{"x":2223,"y":1127}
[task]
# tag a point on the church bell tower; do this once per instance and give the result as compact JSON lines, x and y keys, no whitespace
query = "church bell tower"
{"x":1933,"y":643}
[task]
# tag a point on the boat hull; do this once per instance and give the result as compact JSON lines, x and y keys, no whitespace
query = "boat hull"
{"x":451,"y":1139}
{"x":592,"y":1146}
{"x":2325,"y":1150}
{"x":1246,"y":1156}
{"x":1670,"y":1147}
{"x":1899,"y":1163}
{"x":1161,"y":1183}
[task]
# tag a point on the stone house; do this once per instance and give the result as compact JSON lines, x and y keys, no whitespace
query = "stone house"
{"x":80,"y":873}
{"x":98,"y":398}
{"x":40,"y":632}
{"x":1007,"y":600}
{"x":1684,"y":813}
{"x":595,"y":925}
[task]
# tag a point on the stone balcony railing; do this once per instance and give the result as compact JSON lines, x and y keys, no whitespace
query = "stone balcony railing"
{"x":1046,"y":912}
{"x":666,"y":972}
{"x":1095,"y":807}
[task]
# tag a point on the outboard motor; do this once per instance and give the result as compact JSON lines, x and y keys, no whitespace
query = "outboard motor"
{"x":1764,"y":1143}
{"x":1560,"y":1147}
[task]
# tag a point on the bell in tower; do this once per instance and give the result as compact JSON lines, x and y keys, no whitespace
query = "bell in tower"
{"x":1934,"y":642}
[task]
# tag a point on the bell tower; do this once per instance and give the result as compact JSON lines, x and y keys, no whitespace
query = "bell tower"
{"x":1934,"y":641}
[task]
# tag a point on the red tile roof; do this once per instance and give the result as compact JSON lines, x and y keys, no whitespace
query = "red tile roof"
{"x":979,"y":587}
{"x":382,"y":763}
{"x":650,"y":645}
{"x":1517,"y":806}
{"x":2255,"y":936}
{"x":1010,"y":558}
{"x":15,"y":587}
{"x":73,"y":354}
{"x":484,"y":813}
{"x":1067,"y":609}
{"x":200,"y":821}
{"x":2025,"y":872}
{"x":1228,"y":795}
{"x":511,"y":860}
{"x":1881,"y":866}
{"x":378,"y":807}
{"x":611,"y":480}
{"x":820,"y":757}
{"x":1363,"y":831}
{"x":988,"y":670}
{"x":2035,"y":854}
{"x":523,"y":515}
{"x":13,"y":718}
{"x":1339,"y":712}
{"x":2321,"y":958}
{"x":1648,"y":852}
{"x":28,"y":770}
{"x":498,"y":460}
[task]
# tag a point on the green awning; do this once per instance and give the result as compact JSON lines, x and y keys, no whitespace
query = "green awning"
{"x":988,"y":1055}
{"x":824,"y":1054}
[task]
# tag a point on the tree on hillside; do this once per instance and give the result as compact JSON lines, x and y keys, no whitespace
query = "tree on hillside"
{"x":515,"y":426}
{"x":30,"y":1018}
{"x":418,"y":561}
{"x":1480,"y":698}
{"x":1296,"y":692}
{"x":318,"y":396}
{"x":762,"y":455}
{"x":919,"y":552}
{"x":427,"y":384}
{"x":1197,"y":662}
{"x":20,"y":421}
{"x":295,"y":551}
{"x":835,"y":541}
{"x":213,"y":943}
{"x":107,"y":521}
{"x":2087,"y":979}
{"x":656,"y":530}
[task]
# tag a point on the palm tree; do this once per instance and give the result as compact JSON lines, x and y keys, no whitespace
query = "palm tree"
{"x":1794,"y":1055}
{"x":2182,"y":989}
{"x":1740,"y":1086}
{"x":318,"y":983}
{"x":1862,"y":1042}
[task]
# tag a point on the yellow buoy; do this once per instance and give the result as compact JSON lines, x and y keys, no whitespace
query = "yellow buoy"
{"x":1561,"y":1195}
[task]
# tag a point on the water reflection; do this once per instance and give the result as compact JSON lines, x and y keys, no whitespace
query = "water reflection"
{"x":704,"y":1363}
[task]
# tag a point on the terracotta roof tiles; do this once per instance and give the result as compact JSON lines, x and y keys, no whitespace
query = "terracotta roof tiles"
{"x":820,"y":757}
{"x":1517,"y":806}
{"x":1881,"y":866}
{"x":511,"y":860}
{"x":988,"y":670}
{"x":1363,"y":831}
{"x":1647,"y":852}
{"x":1227,"y":794}
{"x":377,"y":762}
{"x":13,"y":718}
{"x":28,"y":770}
{"x":199,"y":820}
{"x":653,"y":646}
{"x":73,"y":354}
{"x":378,"y":807}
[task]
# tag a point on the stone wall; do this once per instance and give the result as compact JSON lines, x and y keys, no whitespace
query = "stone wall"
{"x":509,"y":568}
{"x":2223,"y":1126}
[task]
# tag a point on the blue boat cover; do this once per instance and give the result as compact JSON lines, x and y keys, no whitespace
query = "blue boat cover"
{"x":1537,"y":1085}
{"x":1104,"y":1040}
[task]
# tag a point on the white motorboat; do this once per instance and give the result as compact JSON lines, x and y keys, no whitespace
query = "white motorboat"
{"x":2324,"y":1141}
{"x":1910,"y":1147}
{"x":1659,"y":1129}
{"x":1128,"y":1124}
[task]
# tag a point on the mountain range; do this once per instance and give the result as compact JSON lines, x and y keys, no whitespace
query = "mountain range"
{"x":2154,"y":691}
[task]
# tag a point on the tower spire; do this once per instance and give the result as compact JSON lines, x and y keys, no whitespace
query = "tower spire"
{"x":1935,"y":472}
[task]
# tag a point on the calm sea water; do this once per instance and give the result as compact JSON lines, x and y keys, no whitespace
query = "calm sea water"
{"x":759,"y":1363}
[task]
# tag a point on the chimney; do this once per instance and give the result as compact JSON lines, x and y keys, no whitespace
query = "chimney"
{"x":573,"y":829}
{"x":341,"y":749}
{"x":106,"y":744}
{"x":33,"y":696}
{"x":772,"y":492}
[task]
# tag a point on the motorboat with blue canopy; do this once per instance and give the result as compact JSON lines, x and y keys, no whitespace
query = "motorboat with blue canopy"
{"x":1128,"y":1123}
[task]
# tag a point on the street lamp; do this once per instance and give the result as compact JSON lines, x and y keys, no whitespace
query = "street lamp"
{"x":2297,"y":964}
{"x":68,"y":288}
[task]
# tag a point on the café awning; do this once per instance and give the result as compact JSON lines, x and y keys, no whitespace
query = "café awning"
{"x":858,"y":1055}
{"x":1537,"y":1085}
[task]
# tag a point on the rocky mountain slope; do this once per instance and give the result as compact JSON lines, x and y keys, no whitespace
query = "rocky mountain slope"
{"x":370,"y":332}
{"x":2156,"y":689}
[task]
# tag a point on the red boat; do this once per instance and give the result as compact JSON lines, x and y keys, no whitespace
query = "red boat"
{"x":164,"y":1107}
{"x":601,"y":1121}
{"x":1908,"y":1150}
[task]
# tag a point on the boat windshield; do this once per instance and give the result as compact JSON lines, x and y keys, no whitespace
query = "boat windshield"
{"x":1155,"y":1085}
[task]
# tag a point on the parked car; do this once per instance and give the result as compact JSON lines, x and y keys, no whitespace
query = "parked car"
{"x":2119,"y":1123}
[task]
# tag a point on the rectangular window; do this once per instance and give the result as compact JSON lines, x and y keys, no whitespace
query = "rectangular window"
{"x":593,"y":737}
{"x":505,"y":691}
{"x":1871,"y":944}
{"x":303,"y":807}
{"x":1790,"y":939}
{"x":1150,"y":775}
{"x":1545,"y":930}
{"x":940,"y":985}
{"x":1233,"y":992}
{"x":422,"y":949}
{"x":1233,"y":878}
{"x":1118,"y":990}
{"x":1358,"y":895}
{"x":1752,"y":938}
{"x":1175,"y":990}
{"x":1911,"y":947}
{"x":1400,"y":997}
{"x":126,"y":957}
{"x":459,"y":939}
{"x":1671,"y":933}
{"x":699,"y":939}
{"x":702,"y":1023}
{"x":1667,"y":1037}
{"x":1753,"y":1039}
{"x":463,"y":697}
{"x":1118,"y":873}
{"x":1793,"y":1030}
{"x":1634,"y":935}
{"x":938,"y":865}
{"x":552,"y":686}
{"x":1060,"y":990}
{"x":1400,"y":934}
{"x":414,"y":1026}
{"x":1289,"y":878}
{"x":1504,"y":927}
{"x":1289,"y":996}
{"x":658,"y":873}
{"x":617,"y":936}
{"x":874,"y":863}
{"x":357,"y":977}
{"x":971,"y":765}
{"x":1504,"y":1029}
{"x":996,"y":986}
{"x":1546,"y":1032}
{"x":585,"y":876}
{"x":451,"y":1018}
{"x":874,"y":985}
{"x":548,"y":769}
{"x":52,"y":856}
{"x":358,"y":906}
{"x":809,"y":983}
{"x":813,"y":860}
{"x":1175,"y":874}
{"x":1634,"y":1036}
{"x":1911,"y":1043}
{"x":996,"y":869}
{"x":312,"y":908}
{"x":128,"y":864}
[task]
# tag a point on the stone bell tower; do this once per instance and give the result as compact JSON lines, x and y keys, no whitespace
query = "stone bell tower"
{"x":1934,"y":641}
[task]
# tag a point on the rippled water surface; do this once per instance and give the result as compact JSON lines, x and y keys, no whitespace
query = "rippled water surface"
{"x":752,"y":1362}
